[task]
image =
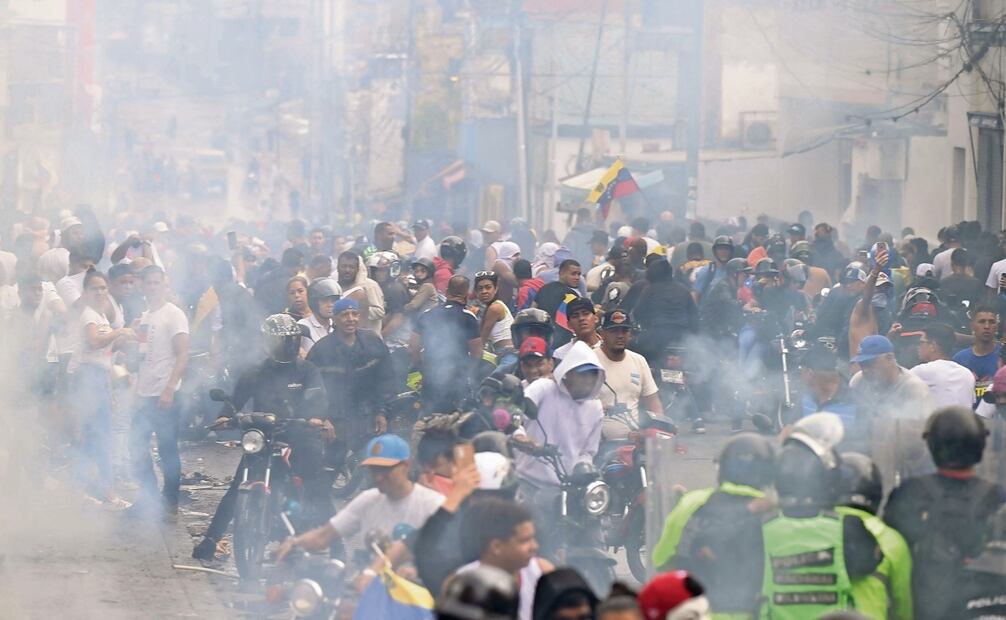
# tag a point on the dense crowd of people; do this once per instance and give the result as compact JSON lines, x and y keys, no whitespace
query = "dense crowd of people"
{"x":859,"y":382}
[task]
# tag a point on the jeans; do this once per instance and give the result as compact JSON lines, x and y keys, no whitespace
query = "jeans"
{"x":93,"y":402}
{"x":151,"y":418}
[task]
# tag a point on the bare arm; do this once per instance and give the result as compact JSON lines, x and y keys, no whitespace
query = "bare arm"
{"x":652,"y":403}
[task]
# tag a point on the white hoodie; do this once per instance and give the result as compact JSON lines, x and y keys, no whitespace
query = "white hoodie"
{"x":573,"y":426}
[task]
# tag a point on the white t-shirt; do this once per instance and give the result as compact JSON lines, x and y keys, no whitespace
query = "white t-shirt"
{"x":315,"y":328}
{"x":949,"y":382}
{"x":373,"y":510}
{"x":157,"y":332}
{"x":84,"y":354}
{"x":426,"y":249}
{"x":631,"y":380}
{"x":941,"y":263}
{"x":70,"y":288}
{"x":998,"y":269}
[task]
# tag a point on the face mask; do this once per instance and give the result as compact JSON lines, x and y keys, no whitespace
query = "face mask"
{"x":879,"y":300}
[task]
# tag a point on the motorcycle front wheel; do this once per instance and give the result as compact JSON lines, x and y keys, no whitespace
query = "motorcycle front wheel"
{"x":636,"y":553}
{"x":250,"y":532}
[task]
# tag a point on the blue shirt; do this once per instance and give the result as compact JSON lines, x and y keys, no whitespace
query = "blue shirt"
{"x":984,"y":368}
{"x":839,"y":406}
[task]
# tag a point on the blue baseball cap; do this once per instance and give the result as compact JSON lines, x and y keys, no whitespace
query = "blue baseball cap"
{"x":386,"y":451}
{"x":871,"y":348}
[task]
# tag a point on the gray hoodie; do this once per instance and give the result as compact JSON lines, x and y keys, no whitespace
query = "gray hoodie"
{"x":573,"y":426}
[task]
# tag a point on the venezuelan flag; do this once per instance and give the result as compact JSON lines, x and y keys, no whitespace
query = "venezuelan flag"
{"x":561,"y":316}
{"x":394,"y":598}
{"x":616,"y":183}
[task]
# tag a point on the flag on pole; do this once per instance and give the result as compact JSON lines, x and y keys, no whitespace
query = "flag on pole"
{"x":616,"y":183}
{"x":391,"y":597}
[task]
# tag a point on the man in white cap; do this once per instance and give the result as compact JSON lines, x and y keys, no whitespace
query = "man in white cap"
{"x":491,"y":233}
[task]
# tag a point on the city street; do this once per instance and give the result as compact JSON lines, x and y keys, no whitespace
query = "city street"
{"x":61,"y":560}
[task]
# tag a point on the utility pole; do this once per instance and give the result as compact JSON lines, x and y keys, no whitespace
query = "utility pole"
{"x":690,"y":100}
{"x":521,"y":109}
{"x":623,"y":127}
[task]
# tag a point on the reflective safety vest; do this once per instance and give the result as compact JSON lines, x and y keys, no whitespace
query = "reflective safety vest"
{"x":805,"y":574}
{"x":667,"y":547}
{"x":887,"y":593}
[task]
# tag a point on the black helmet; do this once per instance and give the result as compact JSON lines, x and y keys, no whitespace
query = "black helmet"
{"x":453,"y":250}
{"x":775,"y":247}
{"x":507,"y":386}
{"x":533,"y":320}
{"x":956,"y":438}
{"x":861,"y":485}
{"x":747,"y":459}
{"x":320,"y":289}
{"x":283,"y":334}
{"x":737,"y":265}
{"x":723,"y":241}
{"x":423,"y":262}
{"x":483,"y":593}
{"x":807,"y":468}
{"x":766,"y":267}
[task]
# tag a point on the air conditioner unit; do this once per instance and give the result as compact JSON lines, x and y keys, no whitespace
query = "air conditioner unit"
{"x":759,"y":129}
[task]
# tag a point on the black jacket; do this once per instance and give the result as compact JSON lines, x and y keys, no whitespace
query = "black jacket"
{"x":291,"y":390}
{"x":358,"y":378}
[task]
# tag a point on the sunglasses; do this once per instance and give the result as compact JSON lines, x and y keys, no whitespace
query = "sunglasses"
{"x":484,"y":274}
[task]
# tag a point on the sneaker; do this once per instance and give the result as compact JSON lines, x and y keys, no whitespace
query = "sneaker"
{"x":205,"y":550}
{"x":699,"y":426}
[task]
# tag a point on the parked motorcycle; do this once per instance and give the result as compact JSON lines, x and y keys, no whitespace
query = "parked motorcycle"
{"x":269,"y":489}
{"x":624,"y":470}
{"x":673,"y":383}
{"x":583,"y":500}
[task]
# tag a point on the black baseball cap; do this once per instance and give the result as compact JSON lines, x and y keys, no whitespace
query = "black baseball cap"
{"x":617,"y":252}
{"x":797,"y":229}
{"x":617,"y":318}
{"x":580,"y":303}
{"x":820,"y":358}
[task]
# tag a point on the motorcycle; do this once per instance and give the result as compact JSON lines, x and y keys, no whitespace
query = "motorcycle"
{"x":318,"y":585}
{"x":269,"y":492}
{"x":402,"y":412}
{"x":583,"y":500}
{"x":624,"y":470}
{"x":673,"y":383}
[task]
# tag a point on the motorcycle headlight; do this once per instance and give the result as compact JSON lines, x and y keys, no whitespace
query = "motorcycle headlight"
{"x":306,"y":597}
{"x":596,"y":498}
{"x":252,"y":441}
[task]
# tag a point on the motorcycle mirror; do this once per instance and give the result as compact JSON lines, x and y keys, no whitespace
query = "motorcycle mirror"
{"x":530,"y":409}
{"x":218,"y":395}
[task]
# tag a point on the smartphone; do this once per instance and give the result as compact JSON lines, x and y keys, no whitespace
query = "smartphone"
{"x":464,"y":455}
{"x":232,"y":240}
{"x":881,"y":246}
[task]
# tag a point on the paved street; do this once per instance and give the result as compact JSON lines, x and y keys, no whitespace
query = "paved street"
{"x":58,"y":559}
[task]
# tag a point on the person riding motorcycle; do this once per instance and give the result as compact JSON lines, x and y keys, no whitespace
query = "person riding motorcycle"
{"x":888,"y":593}
{"x":526,"y":323}
{"x":452,"y":253}
{"x":358,"y":374}
{"x":289,"y":387}
{"x":321,"y":298}
{"x":710,"y":531}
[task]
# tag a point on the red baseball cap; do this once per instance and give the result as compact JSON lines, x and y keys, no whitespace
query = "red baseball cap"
{"x":666,"y":592}
{"x":533,"y":346}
